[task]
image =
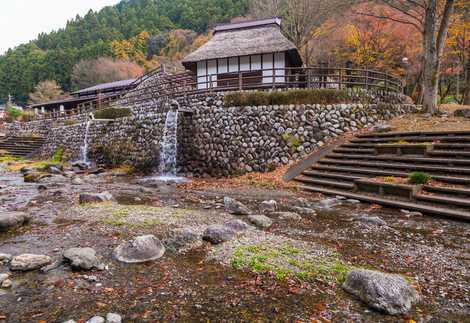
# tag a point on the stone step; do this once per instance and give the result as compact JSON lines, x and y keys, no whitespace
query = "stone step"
{"x":338,"y":176}
{"x":448,"y":190}
{"x":408,"y":158}
{"x":445,"y":146}
{"x":413,"y":139}
{"x":19,"y":146}
{"x":380,"y":172}
{"x":450,"y":153}
{"x":440,"y":199}
{"x":427,"y":209}
{"x":437,"y":146}
{"x":407,"y":167}
{"x":323,"y":182}
{"x":415,"y":133}
{"x":353,"y":150}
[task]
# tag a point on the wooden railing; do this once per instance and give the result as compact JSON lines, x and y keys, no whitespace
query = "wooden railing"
{"x":168,"y":86}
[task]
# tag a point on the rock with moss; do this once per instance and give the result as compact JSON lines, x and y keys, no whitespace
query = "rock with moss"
{"x":34,"y":177}
{"x":182,"y":240}
{"x":387,"y":293}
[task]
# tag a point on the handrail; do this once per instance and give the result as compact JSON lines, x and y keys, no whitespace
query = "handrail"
{"x":187,"y":83}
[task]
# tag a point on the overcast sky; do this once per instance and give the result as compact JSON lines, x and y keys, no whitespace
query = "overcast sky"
{"x":22,"y":20}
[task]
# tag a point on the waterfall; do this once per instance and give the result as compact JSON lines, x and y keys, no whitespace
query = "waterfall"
{"x":84,"y":147}
{"x":168,"y":149}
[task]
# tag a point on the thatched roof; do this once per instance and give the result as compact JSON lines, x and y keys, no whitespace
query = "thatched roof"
{"x":251,"y":40}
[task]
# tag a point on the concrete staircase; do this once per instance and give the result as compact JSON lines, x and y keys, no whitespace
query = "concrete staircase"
{"x":347,"y":170}
{"x":21,"y":146}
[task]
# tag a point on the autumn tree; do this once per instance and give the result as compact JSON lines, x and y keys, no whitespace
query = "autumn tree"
{"x":458,"y":44}
{"x":300,"y":17}
{"x":432,"y":19}
{"x":102,"y":70}
{"x":45,"y":91}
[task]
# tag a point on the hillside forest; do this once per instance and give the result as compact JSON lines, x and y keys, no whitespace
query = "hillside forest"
{"x":426,"y":42}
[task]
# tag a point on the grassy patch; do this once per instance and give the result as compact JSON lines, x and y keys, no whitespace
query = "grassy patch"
{"x":117,"y":218}
{"x":9,"y":159}
{"x":58,"y":155}
{"x":288,"y":261}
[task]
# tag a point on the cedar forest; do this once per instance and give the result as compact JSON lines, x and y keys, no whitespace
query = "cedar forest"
{"x":135,"y":36}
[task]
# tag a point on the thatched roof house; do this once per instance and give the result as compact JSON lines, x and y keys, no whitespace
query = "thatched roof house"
{"x":256,"y":48}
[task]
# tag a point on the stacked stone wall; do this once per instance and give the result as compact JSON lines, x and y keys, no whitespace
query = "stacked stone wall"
{"x":214,"y":139}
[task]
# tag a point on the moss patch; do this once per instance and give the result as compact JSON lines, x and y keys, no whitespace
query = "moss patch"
{"x":289,"y":261}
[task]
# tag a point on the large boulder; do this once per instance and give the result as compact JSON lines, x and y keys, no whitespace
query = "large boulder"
{"x":235,"y":207}
{"x":26,"y":262}
{"x":388,"y":293}
{"x":10,"y":220}
{"x":95,"y":197}
{"x":216,"y":234}
{"x":81,"y":258}
{"x":260,"y":221}
{"x":141,"y":249}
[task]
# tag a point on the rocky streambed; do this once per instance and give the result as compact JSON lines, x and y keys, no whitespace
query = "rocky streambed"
{"x":75,"y":248}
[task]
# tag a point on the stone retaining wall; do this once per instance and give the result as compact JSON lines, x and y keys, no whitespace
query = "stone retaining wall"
{"x":216,"y":140}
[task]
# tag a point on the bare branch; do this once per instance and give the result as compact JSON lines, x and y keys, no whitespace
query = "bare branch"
{"x":402,"y":21}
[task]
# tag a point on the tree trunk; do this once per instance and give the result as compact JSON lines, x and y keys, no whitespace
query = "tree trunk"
{"x":430,"y":71}
{"x":433,"y":47}
{"x":466,"y":93}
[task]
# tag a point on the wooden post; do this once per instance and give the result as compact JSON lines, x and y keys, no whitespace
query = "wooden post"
{"x":240,"y":81}
{"x":386,"y":82}
{"x":340,"y":79}
{"x":309,"y":77}
{"x":274,"y":78}
{"x":367,"y":79}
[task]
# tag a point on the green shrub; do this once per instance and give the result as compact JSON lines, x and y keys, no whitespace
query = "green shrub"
{"x":418,"y":178}
{"x":305,"y":96}
{"x":58,"y":155}
{"x":14,"y":113}
{"x":113,"y":113}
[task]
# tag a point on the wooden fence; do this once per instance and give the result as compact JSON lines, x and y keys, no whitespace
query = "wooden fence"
{"x":172,"y":86}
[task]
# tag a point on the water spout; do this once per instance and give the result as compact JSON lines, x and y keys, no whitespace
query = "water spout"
{"x":84,"y":147}
{"x":169,"y":146}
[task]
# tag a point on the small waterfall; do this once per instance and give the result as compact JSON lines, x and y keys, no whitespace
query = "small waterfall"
{"x":168,"y":150}
{"x":84,"y":147}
